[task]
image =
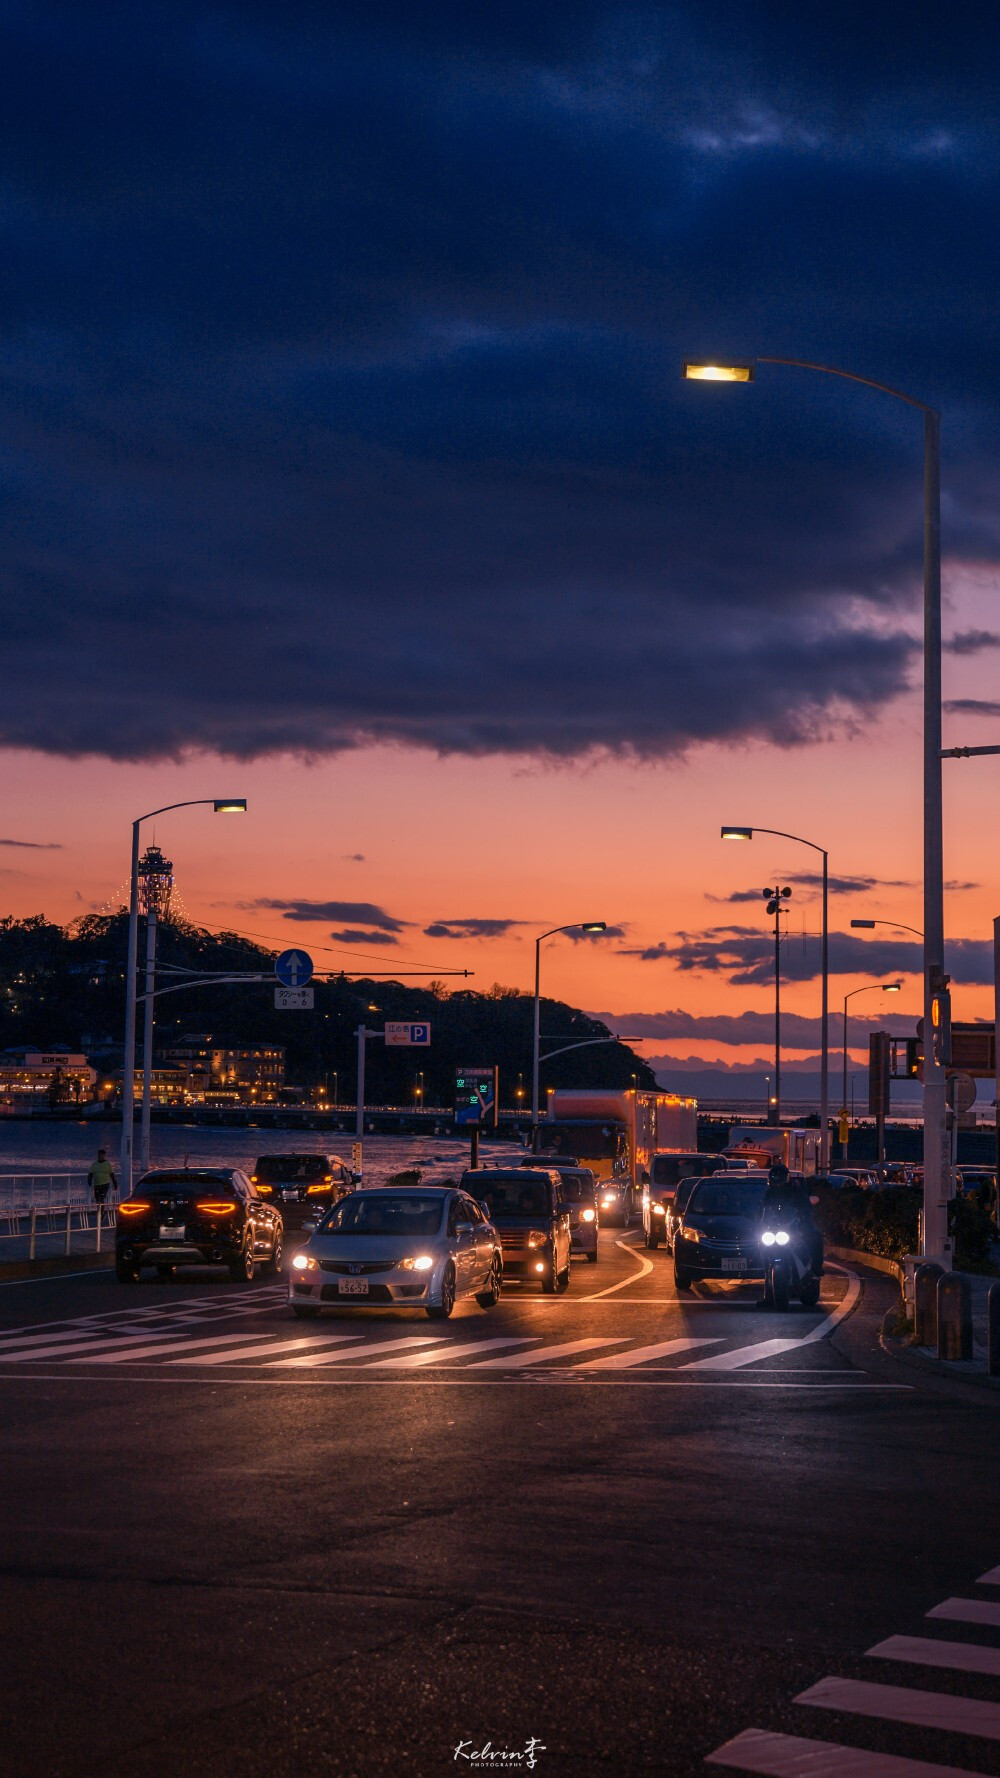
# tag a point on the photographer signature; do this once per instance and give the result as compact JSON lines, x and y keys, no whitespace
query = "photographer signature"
{"x":501,"y":1759}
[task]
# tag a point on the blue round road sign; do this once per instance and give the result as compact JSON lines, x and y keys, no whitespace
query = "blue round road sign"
{"x":293,"y":968}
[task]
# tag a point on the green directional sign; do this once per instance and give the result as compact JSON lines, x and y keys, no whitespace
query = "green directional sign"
{"x":476,"y":1097}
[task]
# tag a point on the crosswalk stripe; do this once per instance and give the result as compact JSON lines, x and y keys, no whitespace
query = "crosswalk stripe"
{"x":165,"y":1346}
{"x":735,"y":1360}
{"x":968,"y":1611}
{"x":413,"y":1360}
{"x":794,"y":1756}
{"x":90,"y":1344}
{"x":366,"y":1351}
{"x":624,"y":1361}
{"x":541,"y":1355}
{"x":265,"y":1349}
{"x":926,"y":1651}
{"x":40,"y":1341}
{"x":990,"y":1579}
{"x":899,"y":1703}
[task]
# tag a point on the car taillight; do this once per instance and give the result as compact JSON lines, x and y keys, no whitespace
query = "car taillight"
{"x":312,"y":1191}
{"x":133,"y":1207}
{"x":209,"y":1207}
{"x":265,"y":1190}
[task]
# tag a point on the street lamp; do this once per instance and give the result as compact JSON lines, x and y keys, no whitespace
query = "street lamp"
{"x":899,"y":925}
{"x":867,"y":988}
{"x":418,"y":1089}
{"x":574,"y":926}
{"x":747,"y":833}
{"x":937,"y":1161}
{"x":228,"y":805}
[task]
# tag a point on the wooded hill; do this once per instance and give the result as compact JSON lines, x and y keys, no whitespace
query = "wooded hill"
{"x":66,"y":985}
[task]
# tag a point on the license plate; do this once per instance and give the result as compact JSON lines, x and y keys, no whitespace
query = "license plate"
{"x":734,"y":1265}
{"x":352,"y":1286}
{"x":167,"y":1234}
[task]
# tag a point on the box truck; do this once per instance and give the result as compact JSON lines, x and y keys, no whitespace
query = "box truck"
{"x":615,"y":1132}
{"x":764,"y":1144}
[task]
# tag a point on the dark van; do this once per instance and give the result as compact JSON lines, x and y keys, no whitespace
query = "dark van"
{"x":529,"y":1213}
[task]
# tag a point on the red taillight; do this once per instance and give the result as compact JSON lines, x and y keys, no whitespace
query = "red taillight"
{"x":265,"y":1190}
{"x":253,"y":1179}
{"x":209,"y":1207}
{"x":313,"y":1190}
{"x":133,"y":1207}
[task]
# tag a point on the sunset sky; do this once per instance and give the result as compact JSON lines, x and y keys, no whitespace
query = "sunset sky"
{"x":347,"y":466}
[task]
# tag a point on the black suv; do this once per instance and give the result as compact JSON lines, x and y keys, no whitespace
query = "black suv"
{"x":210,"y":1217}
{"x":527,"y":1209}
{"x":304,"y":1185}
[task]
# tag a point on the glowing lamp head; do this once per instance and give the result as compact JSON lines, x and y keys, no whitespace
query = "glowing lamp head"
{"x":695,"y":372}
{"x":737,"y":833}
{"x":230,"y":805}
{"x":594,"y":925}
{"x":892,"y":987}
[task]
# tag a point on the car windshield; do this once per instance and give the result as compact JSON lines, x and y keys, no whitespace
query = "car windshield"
{"x":727,"y":1197}
{"x":188,"y":1184}
{"x":669,"y":1168}
{"x":517,"y":1197}
{"x":577,"y":1188}
{"x":272,"y":1167}
{"x":384,"y":1213}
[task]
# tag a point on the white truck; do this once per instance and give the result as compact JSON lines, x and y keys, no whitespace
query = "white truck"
{"x":615,"y":1132}
{"x":763,"y":1143}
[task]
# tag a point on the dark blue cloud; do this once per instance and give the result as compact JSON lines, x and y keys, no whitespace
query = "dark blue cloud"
{"x":340,"y":349}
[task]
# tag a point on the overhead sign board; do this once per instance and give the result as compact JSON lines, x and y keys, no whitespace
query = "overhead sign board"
{"x":294,"y":999}
{"x":476,"y":1096}
{"x":401,"y":1032}
{"x":293,"y":968}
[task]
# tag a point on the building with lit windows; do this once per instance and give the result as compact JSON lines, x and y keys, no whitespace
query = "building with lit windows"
{"x":31,"y":1079}
{"x":223,"y":1073}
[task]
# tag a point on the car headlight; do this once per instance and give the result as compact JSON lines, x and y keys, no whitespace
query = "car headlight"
{"x":658,"y":1209}
{"x":781,"y":1238}
{"x":536,"y":1238}
{"x":304,"y":1262}
{"x":589,"y":1215}
{"x":422,"y":1262}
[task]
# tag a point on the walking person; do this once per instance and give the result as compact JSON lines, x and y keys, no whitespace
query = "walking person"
{"x":101,"y":1176}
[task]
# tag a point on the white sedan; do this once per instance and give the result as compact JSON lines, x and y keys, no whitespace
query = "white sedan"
{"x":421,"y":1249}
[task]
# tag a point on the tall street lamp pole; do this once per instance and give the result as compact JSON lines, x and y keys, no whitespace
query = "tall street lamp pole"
{"x":868,"y":988}
{"x":937,"y":1155}
{"x":747,"y":833}
{"x":574,"y":926}
{"x":229,"y":805}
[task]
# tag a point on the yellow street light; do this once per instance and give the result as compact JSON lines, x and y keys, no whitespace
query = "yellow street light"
{"x":718,"y":373}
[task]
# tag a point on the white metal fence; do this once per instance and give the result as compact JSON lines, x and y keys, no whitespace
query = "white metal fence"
{"x":54,"y":1209}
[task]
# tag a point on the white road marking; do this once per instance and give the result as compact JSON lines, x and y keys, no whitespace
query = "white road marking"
{"x":623,"y":1361}
{"x":900,"y":1703}
{"x":990,"y":1579}
{"x":552,"y":1378}
{"x":793,"y":1756}
{"x":543,"y":1355}
{"x":165,"y":1346}
{"x":925,"y":1651}
{"x":95,"y":1343}
{"x":265,"y":1349}
{"x":729,"y":1361}
{"x":366,"y":1351}
{"x":645,"y":1267}
{"x":413,"y":1360}
{"x":968,"y":1611}
{"x":38,"y":1342}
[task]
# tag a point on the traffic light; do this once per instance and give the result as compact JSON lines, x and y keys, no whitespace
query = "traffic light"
{"x":914,"y":1058}
{"x":941,"y":1027}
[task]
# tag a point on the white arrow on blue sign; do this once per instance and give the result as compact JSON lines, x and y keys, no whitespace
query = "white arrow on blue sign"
{"x":293,"y":968}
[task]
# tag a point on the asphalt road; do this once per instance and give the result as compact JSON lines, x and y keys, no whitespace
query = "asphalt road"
{"x":226,"y":1552}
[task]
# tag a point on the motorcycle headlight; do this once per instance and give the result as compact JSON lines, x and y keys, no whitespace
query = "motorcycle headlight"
{"x":781,"y":1238}
{"x":767,"y":1238}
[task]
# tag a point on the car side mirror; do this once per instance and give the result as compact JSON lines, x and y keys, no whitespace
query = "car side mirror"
{"x":487,"y":1212}
{"x":562,"y":1209}
{"x":464,"y":1228}
{"x":355,"y":1178}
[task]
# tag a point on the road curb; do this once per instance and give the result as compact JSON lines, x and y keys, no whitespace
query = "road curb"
{"x":874,"y":1261}
{"x":918,"y":1358}
{"x":13,"y":1269}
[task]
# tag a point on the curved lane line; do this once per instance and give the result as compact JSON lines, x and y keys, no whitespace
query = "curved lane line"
{"x":645,"y":1267}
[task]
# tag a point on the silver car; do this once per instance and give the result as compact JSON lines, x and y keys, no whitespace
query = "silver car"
{"x":426,"y":1248}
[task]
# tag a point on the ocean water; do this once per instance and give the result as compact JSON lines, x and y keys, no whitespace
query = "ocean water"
{"x":46,"y":1148}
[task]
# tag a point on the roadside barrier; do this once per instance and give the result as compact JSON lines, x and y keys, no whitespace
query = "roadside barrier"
{"x":925,"y":1308}
{"x":64,"y":1220}
{"x":954,"y":1316}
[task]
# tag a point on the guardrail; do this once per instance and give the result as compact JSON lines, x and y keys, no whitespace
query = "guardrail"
{"x":19,"y":1191}
{"x":63,"y":1220}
